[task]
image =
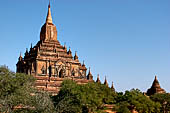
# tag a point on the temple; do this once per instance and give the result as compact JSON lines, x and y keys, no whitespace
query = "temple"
{"x":155,"y":88}
{"x":50,"y":62}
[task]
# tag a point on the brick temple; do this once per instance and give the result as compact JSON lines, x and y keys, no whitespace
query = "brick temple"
{"x":155,"y":88}
{"x":50,"y":62}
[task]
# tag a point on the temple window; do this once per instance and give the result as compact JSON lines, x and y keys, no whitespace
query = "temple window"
{"x":61,"y":73}
{"x":73,"y":73}
{"x":43,"y":70}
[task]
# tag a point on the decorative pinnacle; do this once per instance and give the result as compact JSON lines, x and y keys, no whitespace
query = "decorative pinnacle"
{"x":49,"y":4}
{"x":49,"y":17}
{"x":27,"y":50}
{"x":65,"y":46}
{"x":75,"y":57}
{"x":105,"y":82}
{"x":98,"y":79}
{"x":83,"y":65}
{"x":20,"y":57}
{"x":89,"y":71}
{"x":112,"y":84}
{"x":20,"y":54}
{"x":112,"y":87}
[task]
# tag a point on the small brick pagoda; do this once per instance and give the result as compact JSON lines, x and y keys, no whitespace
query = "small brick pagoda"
{"x":155,"y":88}
{"x":50,"y":62}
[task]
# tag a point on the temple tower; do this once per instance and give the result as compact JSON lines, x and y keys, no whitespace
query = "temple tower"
{"x":48,"y":30}
{"x":49,"y":61}
{"x":155,"y":88}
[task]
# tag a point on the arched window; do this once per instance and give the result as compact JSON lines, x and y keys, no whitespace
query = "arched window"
{"x":43,"y":70}
{"x":73,"y":73}
{"x":61,"y":73}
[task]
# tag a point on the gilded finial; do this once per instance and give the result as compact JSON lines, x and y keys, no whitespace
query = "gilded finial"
{"x":49,"y":17}
{"x":49,"y":4}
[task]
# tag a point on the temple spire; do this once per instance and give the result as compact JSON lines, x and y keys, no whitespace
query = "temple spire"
{"x":31,"y":45}
{"x":49,"y":17}
{"x":89,"y":76}
{"x":83,"y":63}
{"x":156,"y":83}
{"x":20,"y":57}
{"x":75,"y":57}
{"x":69,"y":51}
{"x":155,"y":88}
{"x":105,"y":82}
{"x":98,"y":79}
{"x":112,"y":87}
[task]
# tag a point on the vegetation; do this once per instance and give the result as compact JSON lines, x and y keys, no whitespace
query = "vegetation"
{"x":82,"y":98}
{"x":17,"y":91}
{"x":17,"y":95}
{"x":164,"y":100}
{"x":135,"y":100}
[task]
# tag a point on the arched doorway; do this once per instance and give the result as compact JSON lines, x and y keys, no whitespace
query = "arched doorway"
{"x":61,"y":73}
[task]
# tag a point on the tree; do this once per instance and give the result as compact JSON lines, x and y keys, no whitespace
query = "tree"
{"x":17,"y":93}
{"x":164,"y":100}
{"x":82,"y":98}
{"x":135,"y":100}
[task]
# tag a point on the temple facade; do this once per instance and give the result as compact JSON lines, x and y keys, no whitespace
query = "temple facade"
{"x":50,"y":62}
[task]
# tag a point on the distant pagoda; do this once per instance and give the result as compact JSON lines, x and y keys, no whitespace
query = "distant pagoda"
{"x":155,"y":88}
{"x":50,"y":62}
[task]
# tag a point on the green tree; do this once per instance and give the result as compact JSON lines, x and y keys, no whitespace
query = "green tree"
{"x":82,"y":98}
{"x":164,"y":100}
{"x":17,"y":93}
{"x":135,"y":100}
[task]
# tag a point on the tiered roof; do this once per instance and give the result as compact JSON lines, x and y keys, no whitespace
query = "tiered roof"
{"x":155,"y":88}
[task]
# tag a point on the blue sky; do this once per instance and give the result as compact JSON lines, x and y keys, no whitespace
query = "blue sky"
{"x":126,"y":40}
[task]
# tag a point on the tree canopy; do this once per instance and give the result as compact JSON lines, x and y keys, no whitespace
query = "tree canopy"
{"x":164,"y":100}
{"x":82,"y":98}
{"x":135,"y":100}
{"x":17,"y":94}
